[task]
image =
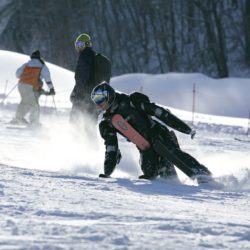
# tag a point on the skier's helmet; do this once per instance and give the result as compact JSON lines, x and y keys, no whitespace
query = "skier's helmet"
{"x":103,"y":95}
{"x":82,"y":41}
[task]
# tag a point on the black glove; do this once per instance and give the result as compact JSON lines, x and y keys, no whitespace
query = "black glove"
{"x":73,"y":97}
{"x":52,"y":91}
{"x":42,"y":92}
{"x":104,"y":176}
{"x":118,"y":157}
{"x":145,"y":177}
{"x":193,"y":132}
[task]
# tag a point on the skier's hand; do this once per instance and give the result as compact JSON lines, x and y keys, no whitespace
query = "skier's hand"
{"x":193,"y":133}
{"x":42,"y":92}
{"x":104,"y":176}
{"x":118,"y":157}
{"x":73,"y":97}
{"x":52,"y":91}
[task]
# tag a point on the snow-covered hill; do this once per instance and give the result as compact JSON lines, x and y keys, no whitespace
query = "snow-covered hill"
{"x":44,"y":210}
{"x":51,"y":197}
{"x":225,"y":97}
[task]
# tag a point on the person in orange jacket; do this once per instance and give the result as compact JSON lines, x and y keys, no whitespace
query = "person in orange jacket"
{"x":31,"y":75}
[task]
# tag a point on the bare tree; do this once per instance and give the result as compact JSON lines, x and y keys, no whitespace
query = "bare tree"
{"x":247,"y":31}
{"x":215,"y":34}
{"x":152,"y":36}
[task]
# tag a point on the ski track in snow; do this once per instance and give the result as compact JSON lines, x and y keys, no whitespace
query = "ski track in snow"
{"x":51,"y":197}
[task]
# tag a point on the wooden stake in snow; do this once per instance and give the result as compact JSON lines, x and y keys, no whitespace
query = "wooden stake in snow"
{"x":3,"y":95}
{"x":5,"y":88}
{"x":193,"y":105}
{"x":248,"y":126}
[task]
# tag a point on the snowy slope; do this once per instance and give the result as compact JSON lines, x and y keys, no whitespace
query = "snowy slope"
{"x":51,"y":197}
{"x":44,"y":210}
{"x":224,"y":97}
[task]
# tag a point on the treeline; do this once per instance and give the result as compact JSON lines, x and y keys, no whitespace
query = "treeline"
{"x":152,"y":36}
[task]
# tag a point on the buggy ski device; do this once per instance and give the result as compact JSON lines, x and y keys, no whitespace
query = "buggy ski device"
{"x":129,"y":132}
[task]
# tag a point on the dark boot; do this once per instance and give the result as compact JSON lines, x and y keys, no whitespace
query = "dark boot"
{"x":202,"y":174}
{"x":146,"y":177}
{"x":149,"y":161}
{"x":167,"y":170}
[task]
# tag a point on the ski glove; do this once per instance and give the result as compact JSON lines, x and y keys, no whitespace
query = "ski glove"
{"x":52,"y":91}
{"x":42,"y":92}
{"x":118,"y":157}
{"x":104,"y":176}
{"x":111,"y":159}
{"x":193,"y":133}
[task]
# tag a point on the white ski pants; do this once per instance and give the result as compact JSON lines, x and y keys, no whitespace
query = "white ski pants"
{"x":29,"y":103}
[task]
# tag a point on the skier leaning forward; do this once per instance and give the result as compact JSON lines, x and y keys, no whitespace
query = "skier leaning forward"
{"x":137,"y":109}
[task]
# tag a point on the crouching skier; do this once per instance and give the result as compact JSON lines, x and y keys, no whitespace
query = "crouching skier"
{"x":164,"y":151}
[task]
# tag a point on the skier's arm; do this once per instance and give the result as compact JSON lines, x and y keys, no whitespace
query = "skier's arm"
{"x":19,"y":71}
{"x":142,"y":102}
{"x":167,"y":117}
{"x":45,"y":74}
{"x":112,"y":154}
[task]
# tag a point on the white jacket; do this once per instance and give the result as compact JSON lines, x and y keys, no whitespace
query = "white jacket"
{"x":45,"y":73}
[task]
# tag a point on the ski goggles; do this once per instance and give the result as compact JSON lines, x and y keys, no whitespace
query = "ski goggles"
{"x":79,"y":44}
{"x":99,"y":97}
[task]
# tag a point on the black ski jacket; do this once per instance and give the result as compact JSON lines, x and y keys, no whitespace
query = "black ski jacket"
{"x":137,"y":109}
{"x":84,"y":76}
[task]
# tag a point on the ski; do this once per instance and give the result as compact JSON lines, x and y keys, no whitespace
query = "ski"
{"x":162,"y":150}
{"x":23,"y":127}
{"x":158,"y":146}
{"x":129,"y":132}
{"x":241,"y":139}
{"x":15,"y":128}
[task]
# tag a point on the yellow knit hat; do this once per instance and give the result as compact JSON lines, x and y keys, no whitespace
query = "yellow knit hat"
{"x":83,"y":41}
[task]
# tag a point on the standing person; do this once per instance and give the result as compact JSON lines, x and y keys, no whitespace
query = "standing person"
{"x":85,"y":80}
{"x":138,"y":111}
{"x":31,"y":76}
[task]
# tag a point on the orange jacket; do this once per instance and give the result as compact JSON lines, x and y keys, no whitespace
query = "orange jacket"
{"x":31,"y":75}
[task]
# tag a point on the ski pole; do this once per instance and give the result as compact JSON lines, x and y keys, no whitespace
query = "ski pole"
{"x":248,"y":126}
{"x":53,"y":99}
{"x":5,"y":88}
{"x":45,"y":103}
{"x":9,"y":93}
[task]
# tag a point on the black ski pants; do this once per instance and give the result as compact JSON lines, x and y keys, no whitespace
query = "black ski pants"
{"x":166,"y":145}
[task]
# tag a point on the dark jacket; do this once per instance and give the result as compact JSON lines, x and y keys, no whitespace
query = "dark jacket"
{"x":138,"y":111}
{"x":84,"y":74}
